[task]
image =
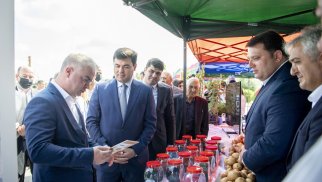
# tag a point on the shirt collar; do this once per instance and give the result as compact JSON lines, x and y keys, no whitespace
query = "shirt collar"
{"x":68,"y":98}
{"x":128,"y":84}
{"x":265,"y":81}
{"x":315,"y":95}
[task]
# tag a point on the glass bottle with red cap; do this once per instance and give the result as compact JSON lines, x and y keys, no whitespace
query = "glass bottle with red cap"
{"x":211,"y":159}
{"x":174,"y":172}
{"x":153,"y":171}
{"x":197,"y":143}
{"x":186,"y":158}
{"x":218,"y":140}
{"x":203,"y":162}
{"x":211,"y":142}
{"x":202,"y":138}
{"x":163,"y":158}
{"x":194,"y":174}
{"x":193,"y":150}
{"x":172,"y":151}
{"x":214,"y":150}
{"x":187,"y":139}
{"x":180,"y":144}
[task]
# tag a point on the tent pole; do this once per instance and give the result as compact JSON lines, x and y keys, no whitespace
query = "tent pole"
{"x":184,"y":77}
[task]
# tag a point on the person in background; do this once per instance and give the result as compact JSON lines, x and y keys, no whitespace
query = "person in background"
{"x":41,"y":85}
{"x":196,"y":113}
{"x":163,"y":98}
{"x":178,"y":83}
{"x":123,"y":109}
{"x":307,"y":66}
{"x":56,"y":137}
{"x":23,"y":95}
{"x":277,"y":111}
{"x":167,"y":79}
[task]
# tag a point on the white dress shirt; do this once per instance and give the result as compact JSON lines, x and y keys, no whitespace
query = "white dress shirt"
{"x":315,"y":95}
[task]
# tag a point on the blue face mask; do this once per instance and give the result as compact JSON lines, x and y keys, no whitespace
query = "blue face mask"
{"x":25,"y":83}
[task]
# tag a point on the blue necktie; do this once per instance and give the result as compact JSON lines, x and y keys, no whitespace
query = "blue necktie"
{"x":123,"y":102}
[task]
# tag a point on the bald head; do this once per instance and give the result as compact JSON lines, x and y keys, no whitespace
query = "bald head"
{"x":166,"y":78}
{"x":25,"y":76}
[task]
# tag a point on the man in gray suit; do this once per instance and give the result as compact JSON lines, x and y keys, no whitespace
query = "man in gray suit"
{"x":167,"y":79}
{"x":165,"y":133}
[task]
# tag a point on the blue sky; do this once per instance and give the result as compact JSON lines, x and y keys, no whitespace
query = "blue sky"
{"x":48,"y":30}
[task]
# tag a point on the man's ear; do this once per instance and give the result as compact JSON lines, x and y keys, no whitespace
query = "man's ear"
{"x":278,"y":55}
{"x":69,"y":70}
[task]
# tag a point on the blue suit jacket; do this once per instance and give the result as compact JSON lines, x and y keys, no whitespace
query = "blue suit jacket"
{"x":271,"y":124}
{"x":55,"y":142}
{"x":307,"y":134}
{"x":106,"y":126}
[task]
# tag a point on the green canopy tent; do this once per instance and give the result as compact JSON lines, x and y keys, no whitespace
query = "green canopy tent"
{"x":210,"y":19}
{"x":200,"y":20}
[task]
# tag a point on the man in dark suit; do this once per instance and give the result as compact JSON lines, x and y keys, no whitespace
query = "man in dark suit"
{"x":196,"y":114}
{"x":165,"y":133}
{"x":56,"y":137}
{"x":277,"y":111}
{"x":123,"y":109}
{"x":307,"y":66}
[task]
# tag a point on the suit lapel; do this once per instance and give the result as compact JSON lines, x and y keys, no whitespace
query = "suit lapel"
{"x":160,"y":96}
{"x":280,"y":73}
{"x":134,"y":95}
{"x":67,"y":111}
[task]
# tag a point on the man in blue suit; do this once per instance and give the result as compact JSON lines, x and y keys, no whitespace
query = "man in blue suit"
{"x":56,"y":137}
{"x":277,"y":111}
{"x":123,"y":109}
{"x":307,"y":66}
{"x":163,"y":98}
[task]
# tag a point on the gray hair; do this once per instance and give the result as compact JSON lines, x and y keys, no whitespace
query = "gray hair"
{"x":193,"y":79}
{"x":78,"y":60}
{"x":308,"y":38}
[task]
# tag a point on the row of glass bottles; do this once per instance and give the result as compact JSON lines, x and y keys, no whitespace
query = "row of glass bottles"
{"x":186,"y":153}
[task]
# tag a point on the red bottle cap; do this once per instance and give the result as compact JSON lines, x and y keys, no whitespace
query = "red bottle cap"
{"x":197,"y":141}
{"x":211,"y":142}
{"x":211,"y":147}
{"x":172,"y":149}
{"x":207,"y":153}
{"x":194,"y":169}
{"x":184,"y":154}
{"x":189,"y":137}
{"x":201,"y":136}
{"x":153,"y":164}
{"x":201,"y":159}
{"x":180,"y":142}
{"x":163,"y":156}
{"x":174,"y":161}
{"x":192,"y":147}
{"x":216,"y":138}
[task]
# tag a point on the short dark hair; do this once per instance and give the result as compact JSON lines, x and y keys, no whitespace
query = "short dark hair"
{"x":177,"y":82}
{"x":124,"y":53}
{"x":271,"y":39}
{"x":155,"y":62}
